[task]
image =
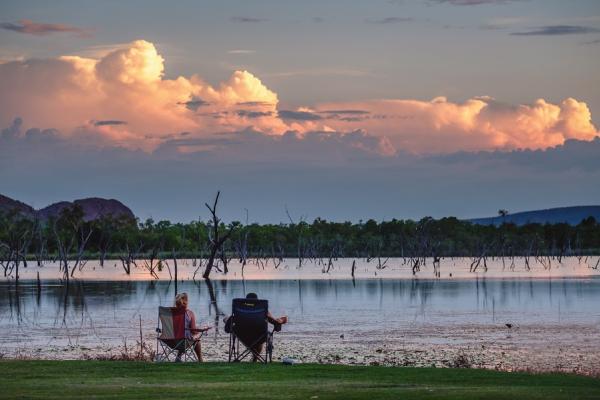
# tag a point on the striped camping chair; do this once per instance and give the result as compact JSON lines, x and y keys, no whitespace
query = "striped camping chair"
{"x":174,"y":342}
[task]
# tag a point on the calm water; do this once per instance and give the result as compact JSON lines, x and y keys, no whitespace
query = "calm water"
{"x":380,"y":306}
{"x":89,"y":313}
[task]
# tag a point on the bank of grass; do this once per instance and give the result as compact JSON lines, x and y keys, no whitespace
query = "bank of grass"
{"x":136,"y":380}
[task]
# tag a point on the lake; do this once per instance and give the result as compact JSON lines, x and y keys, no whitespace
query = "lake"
{"x":384,"y":316}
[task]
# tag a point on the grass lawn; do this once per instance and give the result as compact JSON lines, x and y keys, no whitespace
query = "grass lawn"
{"x":136,"y":380}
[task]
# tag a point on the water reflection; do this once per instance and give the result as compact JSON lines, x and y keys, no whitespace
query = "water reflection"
{"x":340,"y":301}
{"x":96,"y":314}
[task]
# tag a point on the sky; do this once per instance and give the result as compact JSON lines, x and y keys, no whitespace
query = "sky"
{"x":333,"y":109}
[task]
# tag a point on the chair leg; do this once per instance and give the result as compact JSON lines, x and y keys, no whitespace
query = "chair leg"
{"x":157,"y":354}
{"x":231,"y":350}
{"x":270,"y":350}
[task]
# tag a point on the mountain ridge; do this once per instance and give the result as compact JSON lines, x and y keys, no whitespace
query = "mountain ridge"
{"x":97,"y":207}
{"x":572,"y":215}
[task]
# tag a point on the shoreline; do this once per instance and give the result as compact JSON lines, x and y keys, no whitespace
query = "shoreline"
{"x":535,"y":348}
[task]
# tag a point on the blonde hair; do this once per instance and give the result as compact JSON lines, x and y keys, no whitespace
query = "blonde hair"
{"x":181,"y":300}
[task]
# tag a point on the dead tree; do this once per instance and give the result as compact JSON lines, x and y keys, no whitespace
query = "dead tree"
{"x":329,"y":263}
{"x":106,"y":227}
{"x":39,"y":240}
{"x":154,"y":261}
{"x":300,"y":226}
{"x":436,"y":266}
{"x":277,"y":259}
{"x":128,"y":259}
{"x":242,"y":245}
{"x":15,"y":242}
{"x":381,"y":265}
{"x":242,"y":249}
{"x":213,"y":303}
{"x":216,"y":239}
{"x":174,"y":254}
{"x":72,"y":235}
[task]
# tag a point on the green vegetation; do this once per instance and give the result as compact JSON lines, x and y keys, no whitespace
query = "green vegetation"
{"x":136,"y":380}
{"x":428,"y":237}
{"x":69,"y":239}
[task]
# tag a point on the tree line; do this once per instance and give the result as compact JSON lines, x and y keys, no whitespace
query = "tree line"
{"x":71,"y":240}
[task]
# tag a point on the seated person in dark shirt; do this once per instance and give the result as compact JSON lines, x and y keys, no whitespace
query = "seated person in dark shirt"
{"x":276,"y":322}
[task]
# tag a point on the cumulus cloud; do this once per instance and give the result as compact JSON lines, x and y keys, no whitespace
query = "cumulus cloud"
{"x":126,"y":84}
{"x":480,"y":123}
{"x":42,"y":29}
{"x":123,"y":98}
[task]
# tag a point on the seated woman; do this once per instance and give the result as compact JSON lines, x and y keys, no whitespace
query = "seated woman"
{"x":192,"y":331}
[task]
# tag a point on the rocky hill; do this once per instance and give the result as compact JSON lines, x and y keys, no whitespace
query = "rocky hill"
{"x":8,"y":204}
{"x":93,"y":208}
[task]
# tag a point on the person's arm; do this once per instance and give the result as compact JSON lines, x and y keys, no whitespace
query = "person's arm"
{"x":276,"y":321}
{"x":193,"y":327}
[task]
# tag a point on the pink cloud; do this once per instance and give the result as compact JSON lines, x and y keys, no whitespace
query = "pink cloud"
{"x":127,"y":84}
{"x":442,"y":126}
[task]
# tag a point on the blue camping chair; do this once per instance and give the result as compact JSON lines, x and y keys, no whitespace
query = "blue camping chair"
{"x":249,"y":326}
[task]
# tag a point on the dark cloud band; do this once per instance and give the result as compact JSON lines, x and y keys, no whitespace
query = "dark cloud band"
{"x":555,"y":30}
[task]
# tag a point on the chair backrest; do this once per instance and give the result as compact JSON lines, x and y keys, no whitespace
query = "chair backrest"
{"x":172,"y":321}
{"x":249,"y":319}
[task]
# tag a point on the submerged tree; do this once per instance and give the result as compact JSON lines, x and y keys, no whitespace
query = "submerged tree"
{"x":217,"y":237}
{"x":71,"y":233}
{"x":16,"y":231}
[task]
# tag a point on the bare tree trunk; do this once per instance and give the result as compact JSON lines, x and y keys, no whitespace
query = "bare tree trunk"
{"x":216,"y":242}
{"x":175,"y":266}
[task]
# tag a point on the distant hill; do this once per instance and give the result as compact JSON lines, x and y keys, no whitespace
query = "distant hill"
{"x":569,"y":215}
{"x":8,"y":204}
{"x":93,"y":208}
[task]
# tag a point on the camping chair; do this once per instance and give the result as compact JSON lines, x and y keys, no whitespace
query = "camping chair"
{"x":248,"y":325}
{"x":172,"y":337}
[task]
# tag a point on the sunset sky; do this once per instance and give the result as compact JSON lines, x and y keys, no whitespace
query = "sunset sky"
{"x":344,"y":110}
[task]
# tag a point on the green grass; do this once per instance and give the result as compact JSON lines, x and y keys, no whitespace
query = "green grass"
{"x":135,"y":380}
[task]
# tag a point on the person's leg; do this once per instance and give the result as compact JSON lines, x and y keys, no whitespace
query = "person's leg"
{"x":198,"y":350}
{"x":258,"y":349}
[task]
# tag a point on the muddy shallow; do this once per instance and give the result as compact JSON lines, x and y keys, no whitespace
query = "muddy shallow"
{"x":461,"y":321}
